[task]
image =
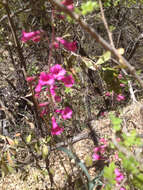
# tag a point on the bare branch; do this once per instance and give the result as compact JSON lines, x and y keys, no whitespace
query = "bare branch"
{"x":99,"y":39}
{"x":105,"y":24}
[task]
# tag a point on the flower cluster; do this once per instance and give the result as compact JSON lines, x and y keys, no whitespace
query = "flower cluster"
{"x":36,"y":36}
{"x":119,"y":178}
{"x":48,"y":81}
{"x":98,"y":151}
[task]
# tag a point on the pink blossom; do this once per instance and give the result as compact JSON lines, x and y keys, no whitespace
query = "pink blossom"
{"x":116,"y":156}
{"x":37,"y":95}
{"x":96,"y":149}
{"x":52,"y":90}
{"x":30,"y":79}
{"x":46,"y":78}
{"x":120,"y":97}
{"x":57,"y":98}
{"x":122,"y":85}
{"x":68,"y":80}
{"x":43,"y":112}
{"x":58,"y":111}
{"x":118,"y":139}
{"x":96,"y":156}
{"x":119,"y":178}
{"x":103,"y":141}
{"x":38,"y":88}
{"x":102,"y":149}
{"x":119,"y":175}
{"x":122,"y":188}
{"x":71,"y":46}
{"x":117,"y":172}
{"x":43,"y":104}
{"x":68,"y":4}
{"x":107,"y":94}
{"x":35,"y":36}
{"x":57,"y":71}
{"x":120,"y":76}
{"x":56,"y":45}
{"x":56,"y":130}
{"x":102,"y":113}
{"x":66,"y":113}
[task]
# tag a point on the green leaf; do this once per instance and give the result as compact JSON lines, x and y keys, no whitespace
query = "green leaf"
{"x":88,"y":7}
{"x":68,"y":90}
{"x":45,"y":151}
{"x":109,"y":173}
{"x":104,"y":58}
{"x":116,"y":122}
{"x":89,"y":63}
{"x":88,"y":161}
{"x":28,"y":138}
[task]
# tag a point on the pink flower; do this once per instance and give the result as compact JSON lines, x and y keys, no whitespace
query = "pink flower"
{"x":107,"y":94}
{"x":68,"y":4}
{"x":56,"y":130}
{"x":120,"y":97}
{"x":57,"y":71}
{"x":116,"y":156}
{"x":120,"y":76}
{"x":38,"y":88}
{"x":103,"y":141}
{"x":43,"y":104}
{"x":37,"y":95}
{"x":102,"y":113}
{"x":43,"y":112}
{"x":119,"y":178}
{"x":96,"y":149}
{"x":119,"y":175}
{"x":58,"y":111}
{"x":30,"y":79}
{"x":102,"y":149}
{"x":71,"y":46}
{"x":122,"y":85}
{"x":118,"y":139}
{"x":96,"y":156}
{"x":52,"y":90}
{"x":68,"y":80}
{"x":66,"y":113}
{"x":56,"y":45}
{"x":57,"y":98}
{"x":122,"y":188}
{"x":35,"y":36}
{"x":46,"y":79}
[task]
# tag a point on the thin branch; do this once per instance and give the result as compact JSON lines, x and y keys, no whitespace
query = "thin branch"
{"x":13,"y":30}
{"x":15,"y":13}
{"x":105,"y":24}
{"x":99,"y":39}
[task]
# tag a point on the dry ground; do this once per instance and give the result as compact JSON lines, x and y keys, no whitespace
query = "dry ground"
{"x":132,"y":118}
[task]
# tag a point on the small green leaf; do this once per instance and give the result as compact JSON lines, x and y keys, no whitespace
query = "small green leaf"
{"x":89,"y":63}
{"x":88,"y":7}
{"x":88,"y":161}
{"x":104,"y":58}
{"x":28,"y":138}
{"x":45,"y":151}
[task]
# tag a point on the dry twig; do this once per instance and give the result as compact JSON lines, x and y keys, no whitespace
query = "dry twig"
{"x":99,"y":39}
